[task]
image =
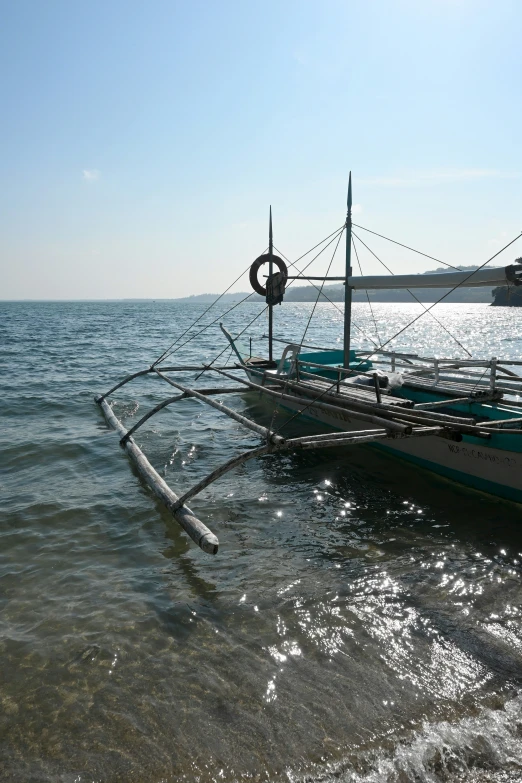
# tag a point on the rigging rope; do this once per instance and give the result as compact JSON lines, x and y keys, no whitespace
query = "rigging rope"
{"x":341,"y":228}
{"x":229,"y":357}
{"x":292,"y":263}
{"x":367,"y":294}
{"x":277,"y":407}
{"x":212,"y":323}
{"x":329,"y":388}
{"x":169,"y":352}
{"x":450,"y":291}
{"x":407,"y":247}
{"x":208,"y":366}
{"x":415,"y":297}
{"x":336,"y":233}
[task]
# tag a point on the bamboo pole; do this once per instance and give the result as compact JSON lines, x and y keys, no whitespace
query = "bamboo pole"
{"x":421,"y":406}
{"x":501,"y":431}
{"x":308,"y":442}
{"x":498,"y":423}
{"x":361,"y":393}
{"x":463,"y":362}
{"x":263,"y":431}
{"x":397,"y":417}
{"x":453,"y":386}
{"x":511,"y":403}
{"x":148,"y":415}
{"x":198,"y":532}
{"x":222,"y":469}
{"x":190,"y":368}
{"x":329,"y":439}
{"x":358,"y":436}
{"x":468,"y":429}
{"x":149,"y":370}
{"x":383,"y":408}
{"x":169,"y":401}
{"x":510,"y":373}
{"x":458,"y":372}
{"x":122,"y":383}
{"x":381,"y":422}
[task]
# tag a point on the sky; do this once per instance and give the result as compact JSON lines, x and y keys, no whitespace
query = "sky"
{"x":141,"y":144}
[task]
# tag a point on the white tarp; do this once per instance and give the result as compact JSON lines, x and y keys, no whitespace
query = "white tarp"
{"x":482,"y":278}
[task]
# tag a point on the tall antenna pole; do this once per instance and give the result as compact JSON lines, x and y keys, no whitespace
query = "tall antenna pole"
{"x":270,"y":271}
{"x":347,"y":289}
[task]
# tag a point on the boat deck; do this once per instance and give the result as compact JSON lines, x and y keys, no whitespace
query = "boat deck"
{"x":453,"y":388}
{"x":348,"y":392}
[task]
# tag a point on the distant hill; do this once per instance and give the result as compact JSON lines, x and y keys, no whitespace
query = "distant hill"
{"x":226,"y":298}
{"x":335,"y":293}
{"x":505,"y":296}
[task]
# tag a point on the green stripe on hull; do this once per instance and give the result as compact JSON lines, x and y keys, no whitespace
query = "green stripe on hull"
{"x":491,"y":487}
{"x":483,"y":485}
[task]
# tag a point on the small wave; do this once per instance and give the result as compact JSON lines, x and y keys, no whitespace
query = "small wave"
{"x":486,"y":747}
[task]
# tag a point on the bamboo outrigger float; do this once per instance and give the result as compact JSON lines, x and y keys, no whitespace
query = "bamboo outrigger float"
{"x":460,"y":418}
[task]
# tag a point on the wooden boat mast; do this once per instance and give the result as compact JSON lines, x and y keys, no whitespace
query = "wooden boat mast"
{"x":270,"y":271}
{"x":347,"y":288}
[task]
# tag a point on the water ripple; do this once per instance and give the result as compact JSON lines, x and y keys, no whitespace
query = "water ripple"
{"x":356,"y":625}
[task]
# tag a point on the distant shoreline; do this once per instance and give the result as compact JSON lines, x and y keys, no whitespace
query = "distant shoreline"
{"x":358,"y":298}
{"x":309,"y":293}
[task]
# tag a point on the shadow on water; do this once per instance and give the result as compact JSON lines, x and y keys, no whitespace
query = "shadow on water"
{"x":173,"y":616}
{"x":477,"y":522}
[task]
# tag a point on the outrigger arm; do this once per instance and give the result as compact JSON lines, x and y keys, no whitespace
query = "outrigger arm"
{"x":196,"y":529}
{"x":383,"y":428}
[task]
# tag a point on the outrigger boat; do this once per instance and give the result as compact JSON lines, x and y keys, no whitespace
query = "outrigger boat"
{"x":460,"y":418}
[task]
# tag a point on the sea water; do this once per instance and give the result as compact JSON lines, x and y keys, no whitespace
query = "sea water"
{"x":361,"y":622}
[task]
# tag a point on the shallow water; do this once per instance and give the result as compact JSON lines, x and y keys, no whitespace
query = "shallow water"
{"x":361,"y":622}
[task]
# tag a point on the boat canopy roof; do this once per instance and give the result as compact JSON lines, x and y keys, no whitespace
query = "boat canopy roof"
{"x":508,"y":275}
